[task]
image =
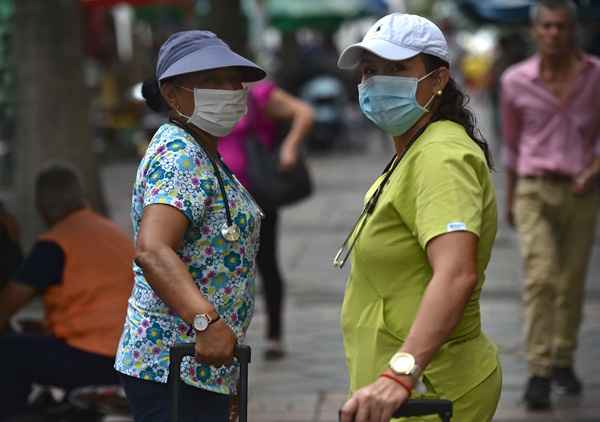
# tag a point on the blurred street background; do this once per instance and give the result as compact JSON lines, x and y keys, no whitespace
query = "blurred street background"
{"x":70,"y":72}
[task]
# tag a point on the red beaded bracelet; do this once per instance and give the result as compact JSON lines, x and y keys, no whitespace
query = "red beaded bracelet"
{"x":406,"y":386}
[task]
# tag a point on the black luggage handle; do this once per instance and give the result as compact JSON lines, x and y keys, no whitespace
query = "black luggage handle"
{"x":176,"y":355}
{"x":423,"y":407}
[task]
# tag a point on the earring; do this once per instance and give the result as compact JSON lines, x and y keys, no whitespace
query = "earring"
{"x":439,"y":93}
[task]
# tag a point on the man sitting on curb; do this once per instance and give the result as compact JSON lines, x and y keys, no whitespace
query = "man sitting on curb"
{"x":82,"y":267}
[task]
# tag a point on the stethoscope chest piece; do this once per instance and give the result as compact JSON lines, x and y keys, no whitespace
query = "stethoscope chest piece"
{"x":231,"y":233}
{"x":229,"y":230}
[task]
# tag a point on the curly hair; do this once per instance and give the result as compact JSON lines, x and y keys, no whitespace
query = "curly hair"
{"x":452,"y":105}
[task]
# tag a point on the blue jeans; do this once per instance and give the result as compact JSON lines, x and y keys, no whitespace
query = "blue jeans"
{"x":149,"y":401}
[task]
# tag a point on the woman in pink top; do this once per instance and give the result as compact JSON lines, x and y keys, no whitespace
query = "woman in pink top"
{"x":268,"y":104}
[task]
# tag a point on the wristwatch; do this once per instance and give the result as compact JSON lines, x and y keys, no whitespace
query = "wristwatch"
{"x":404,"y":364}
{"x":202,"y":321}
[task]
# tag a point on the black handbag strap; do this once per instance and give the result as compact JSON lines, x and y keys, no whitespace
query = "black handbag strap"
{"x":253,"y":117}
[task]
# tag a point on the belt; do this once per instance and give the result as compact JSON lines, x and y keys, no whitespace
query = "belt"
{"x":550,"y":177}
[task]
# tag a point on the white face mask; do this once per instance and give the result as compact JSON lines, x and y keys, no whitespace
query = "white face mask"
{"x":217,"y":111}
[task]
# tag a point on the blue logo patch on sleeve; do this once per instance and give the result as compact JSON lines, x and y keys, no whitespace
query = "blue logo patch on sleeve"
{"x":456,"y":226}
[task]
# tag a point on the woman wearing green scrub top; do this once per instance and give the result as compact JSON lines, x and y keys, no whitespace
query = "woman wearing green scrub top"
{"x":421,"y":246}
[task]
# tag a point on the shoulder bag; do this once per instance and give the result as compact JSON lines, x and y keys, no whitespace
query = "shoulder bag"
{"x":271,"y":187}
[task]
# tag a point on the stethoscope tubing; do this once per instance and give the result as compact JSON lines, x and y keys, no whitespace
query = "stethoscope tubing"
{"x":231,"y":231}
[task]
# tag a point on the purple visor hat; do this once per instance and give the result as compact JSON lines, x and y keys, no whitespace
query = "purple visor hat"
{"x":194,"y":51}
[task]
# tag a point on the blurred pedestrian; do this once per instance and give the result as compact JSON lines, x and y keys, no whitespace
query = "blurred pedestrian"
{"x":197,"y":232}
{"x":269,"y":106}
{"x":11,"y":254}
{"x":549,"y":106}
{"x":510,"y":49}
{"x":82,"y":268}
{"x":422,"y":244}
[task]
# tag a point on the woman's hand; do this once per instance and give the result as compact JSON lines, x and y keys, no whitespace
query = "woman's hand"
{"x":288,"y":157}
{"x":376,"y":402}
{"x":286,"y":107}
{"x":216,"y":345}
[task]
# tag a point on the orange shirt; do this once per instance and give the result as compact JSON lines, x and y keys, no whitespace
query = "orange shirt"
{"x":87,"y":307}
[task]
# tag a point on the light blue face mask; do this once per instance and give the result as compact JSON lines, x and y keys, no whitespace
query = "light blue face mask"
{"x":391,"y":102}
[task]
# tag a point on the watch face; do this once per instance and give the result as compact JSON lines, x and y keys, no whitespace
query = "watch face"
{"x":200,"y":322}
{"x":402,"y":363}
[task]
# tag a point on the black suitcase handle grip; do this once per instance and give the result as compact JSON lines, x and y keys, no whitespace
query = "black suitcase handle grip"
{"x":179,"y":351}
{"x":423,"y":407}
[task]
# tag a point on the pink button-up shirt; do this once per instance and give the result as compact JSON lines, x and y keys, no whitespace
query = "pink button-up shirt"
{"x":544,"y":134}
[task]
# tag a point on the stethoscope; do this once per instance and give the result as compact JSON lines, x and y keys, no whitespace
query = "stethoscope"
{"x":346,"y":248}
{"x":229,"y":230}
{"x":348,"y":244}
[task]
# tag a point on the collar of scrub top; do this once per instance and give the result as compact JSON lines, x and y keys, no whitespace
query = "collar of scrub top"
{"x":348,"y":244}
{"x":230,"y":231}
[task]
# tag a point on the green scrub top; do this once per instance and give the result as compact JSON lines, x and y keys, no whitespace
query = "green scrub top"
{"x":441,"y":185}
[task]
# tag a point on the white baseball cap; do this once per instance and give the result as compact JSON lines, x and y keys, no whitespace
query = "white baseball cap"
{"x":398,"y":36}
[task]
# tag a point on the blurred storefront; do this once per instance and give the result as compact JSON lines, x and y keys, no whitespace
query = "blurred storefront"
{"x":122,"y":38}
{"x":297,"y":41}
{"x":121,"y":41}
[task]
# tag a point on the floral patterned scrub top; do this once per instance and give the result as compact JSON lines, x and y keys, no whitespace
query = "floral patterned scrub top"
{"x":176,"y":171}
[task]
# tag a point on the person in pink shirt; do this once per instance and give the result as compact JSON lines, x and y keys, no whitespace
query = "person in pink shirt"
{"x":551,"y":131}
{"x":268,"y":105}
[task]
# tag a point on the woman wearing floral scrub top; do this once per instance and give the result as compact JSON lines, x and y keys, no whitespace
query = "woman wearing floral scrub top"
{"x":194,"y":280}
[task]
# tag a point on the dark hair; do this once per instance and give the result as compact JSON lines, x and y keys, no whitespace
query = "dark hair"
{"x":451,"y":105}
{"x":153,"y":97}
{"x":58,"y":191}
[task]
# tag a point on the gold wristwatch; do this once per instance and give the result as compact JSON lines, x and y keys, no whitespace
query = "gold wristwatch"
{"x":202,"y":321}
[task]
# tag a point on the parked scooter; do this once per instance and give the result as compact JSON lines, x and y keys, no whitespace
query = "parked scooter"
{"x":326,"y":94}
